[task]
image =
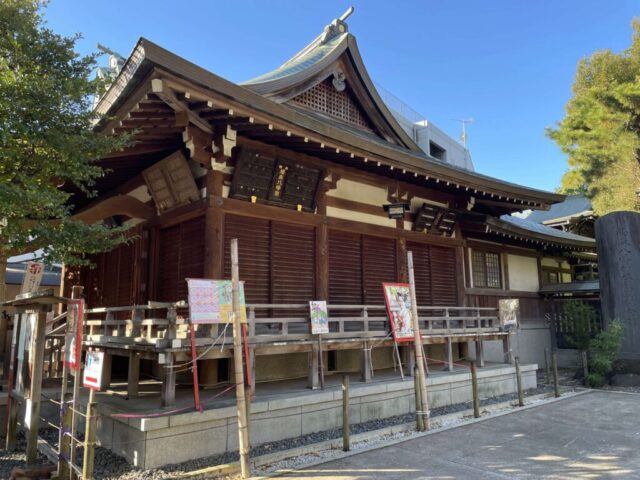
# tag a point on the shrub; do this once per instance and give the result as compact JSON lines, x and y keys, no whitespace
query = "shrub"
{"x":603,"y":350}
{"x":580,"y":319}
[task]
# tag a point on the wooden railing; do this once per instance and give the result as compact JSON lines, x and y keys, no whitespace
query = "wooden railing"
{"x":54,"y":346}
{"x":163,"y":325}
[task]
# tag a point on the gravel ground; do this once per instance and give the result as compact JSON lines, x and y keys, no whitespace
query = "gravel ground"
{"x":109,"y":466}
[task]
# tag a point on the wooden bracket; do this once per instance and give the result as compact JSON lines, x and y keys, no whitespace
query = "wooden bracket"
{"x":184,"y":115}
{"x":200,"y":145}
{"x":224,"y":142}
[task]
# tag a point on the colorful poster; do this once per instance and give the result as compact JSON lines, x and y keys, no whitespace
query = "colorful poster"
{"x":211,"y":301}
{"x":398,"y":299}
{"x":94,"y":362}
{"x":32,"y":277}
{"x":509,"y":311}
{"x":319,"y":316}
{"x":73,"y":335}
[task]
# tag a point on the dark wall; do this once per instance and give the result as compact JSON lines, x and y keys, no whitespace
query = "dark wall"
{"x":618,"y":242}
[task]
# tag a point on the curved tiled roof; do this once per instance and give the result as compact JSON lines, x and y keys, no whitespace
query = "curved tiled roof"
{"x":523,"y":227}
{"x":306,"y":58}
{"x":574,"y":205}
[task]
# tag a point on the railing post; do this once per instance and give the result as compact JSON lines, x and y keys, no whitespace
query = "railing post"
{"x":365,"y":321}
{"x":366,"y":362}
{"x":133,"y":375}
{"x":107,"y":318}
{"x":480,"y":352}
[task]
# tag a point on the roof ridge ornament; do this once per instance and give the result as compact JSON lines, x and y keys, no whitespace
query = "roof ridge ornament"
{"x":336,"y":27}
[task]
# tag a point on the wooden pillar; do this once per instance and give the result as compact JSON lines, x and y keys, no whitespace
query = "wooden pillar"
{"x":32,"y":414}
{"x":322,"y":262}
{"x":479,"y":353}
{"x":4,"y":320}
{"x":408,"y":359}
{"x":168,"y":382}
{"x":366,"y":362}
{"x":314,"y":366}
{"x":133,"y":375}
{"x":506,"y":348}
{"x":106,"y":371}
{"x":449,"y":354}
{"x":401,"y":260}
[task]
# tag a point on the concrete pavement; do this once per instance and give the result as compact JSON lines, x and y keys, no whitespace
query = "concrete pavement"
{"x":590,"y":436}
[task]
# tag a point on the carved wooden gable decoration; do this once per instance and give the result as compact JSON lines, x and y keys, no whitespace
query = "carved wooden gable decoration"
{"x":335,"y":100}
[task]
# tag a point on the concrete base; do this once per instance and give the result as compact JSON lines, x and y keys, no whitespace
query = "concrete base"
{"x":281,"y":413}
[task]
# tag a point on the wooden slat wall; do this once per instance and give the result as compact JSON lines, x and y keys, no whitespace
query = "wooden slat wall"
{"x":345,"y":268}
{"x":277,"y":260}
{"x":435,"y":274}
{"x":254,"y":240}
{"x":181,"y":254}
{"x":443,"y":276}
{"x":379,"y":265}
{"x":292,"y":263}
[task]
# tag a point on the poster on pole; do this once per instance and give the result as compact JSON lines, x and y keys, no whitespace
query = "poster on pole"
{"x":398,"y":299}
{"x":508,"y":312}
{"x":319,"y":317}
{"x":93,"y":365}
{"x":211,"y":301}
{"x":32,"y":277}
{"x":73,"y":335}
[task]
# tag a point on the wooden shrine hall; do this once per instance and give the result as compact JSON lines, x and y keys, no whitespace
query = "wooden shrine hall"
{"x":303,"y":166}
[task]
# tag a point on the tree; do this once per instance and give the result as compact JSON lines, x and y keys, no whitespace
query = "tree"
{"x":601,"y":130}
{"x":47,"y":142}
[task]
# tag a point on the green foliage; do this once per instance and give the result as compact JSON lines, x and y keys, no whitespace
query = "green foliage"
{"x":603,"y":351}
{"x":580,"y":319}
{"x":601,"y":130}
{"x":48,"y":144}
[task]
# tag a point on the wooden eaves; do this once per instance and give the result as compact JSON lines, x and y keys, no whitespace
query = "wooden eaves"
{"x":251,"y":114}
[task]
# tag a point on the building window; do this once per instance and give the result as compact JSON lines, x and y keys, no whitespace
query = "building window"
{"x":486,"y":269}
{"x":436,"y":151}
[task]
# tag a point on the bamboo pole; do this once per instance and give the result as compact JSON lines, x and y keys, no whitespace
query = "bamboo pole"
{"x":245,"y":470}
{"x":76,"y":293}
{"x":417,"y":338}
{"x":346,"y":444}
{"x":416,"y":387}
{"x":32,"y":416}
{"x":474,"y":390}
{"x":89,"y":437}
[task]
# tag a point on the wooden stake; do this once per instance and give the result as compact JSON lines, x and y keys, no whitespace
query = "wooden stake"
{"x":585,"y":366}
{"x":320,"y":362}
{"x":76,"y":293}
{"x":547,"y":368}
{"x":89,"y":437}
{"x":245,"y":470}
{"x":12,"y":410}
{"x":33,"y":404}
{"x":416,"y":387}
{"x":474,"y":390}
{"x":417,"y":338}
{"x":554,"y":366}
{"x":519,"y":383}
{"x":346,"y":444}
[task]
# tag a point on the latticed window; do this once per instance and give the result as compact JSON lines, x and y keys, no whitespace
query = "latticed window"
{"x":486,"y":269}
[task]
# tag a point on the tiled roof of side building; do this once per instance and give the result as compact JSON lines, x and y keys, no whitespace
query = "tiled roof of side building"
{"x":543,"y":230}
{"x":573,"y":206}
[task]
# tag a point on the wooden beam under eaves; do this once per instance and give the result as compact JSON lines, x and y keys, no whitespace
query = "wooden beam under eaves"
{"x":183,"y":113}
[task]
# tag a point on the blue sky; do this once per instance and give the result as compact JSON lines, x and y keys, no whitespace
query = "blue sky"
{"x":507,"y":64}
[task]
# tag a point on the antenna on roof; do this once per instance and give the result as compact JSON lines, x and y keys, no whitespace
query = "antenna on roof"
{"x":463,"y":135}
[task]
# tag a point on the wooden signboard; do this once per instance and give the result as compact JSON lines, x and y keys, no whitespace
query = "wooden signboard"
{"x":398,"y":299}
{"x":94,"y":364}
{"x":509,"y":311}
{"x":73,"y":335}
{"x":32,"y":277}
{"x":277,"y":181}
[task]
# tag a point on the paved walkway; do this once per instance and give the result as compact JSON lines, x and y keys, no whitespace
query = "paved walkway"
{"x":591,"y":436}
